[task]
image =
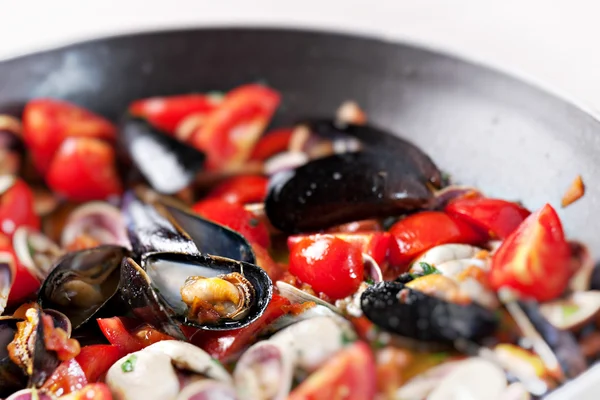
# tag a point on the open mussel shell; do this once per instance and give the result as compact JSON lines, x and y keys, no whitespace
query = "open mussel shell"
{"x":167,"y":164}
{"x":11,"y":376}
{"x":83,"y":282}
{"x":395,"y":308}
{"x":169,"y":273}
{"x":380,"y":141}
{"x":345,"y":187}
{"x":211,"y":238}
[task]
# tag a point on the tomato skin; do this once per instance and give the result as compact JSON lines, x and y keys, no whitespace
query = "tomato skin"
{"x":96,"y":359}
{"x":127,"y":335}
{"x":231,"y":131}
{"x":535,"y":259}
{"x":375,"y":244}
{"x":92,"y":391}
{"x":17,"y":208}
{"x":47,"y":122}
{"x":499,"y":218}
{"x":241,"y":189}
{"x":66,"y":378}
{"x":272,"y":143}
{"x":348,"y":375}
{"x":235,"y":217}
{"x":225,"y":345}
{"x":165,"y":113}
{"x":328,"y":264}
{"x":84,"y":169}
{"x":266,"y":262}
{"x":422,"y":231}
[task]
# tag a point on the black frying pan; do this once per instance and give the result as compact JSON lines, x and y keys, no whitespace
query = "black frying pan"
{"x":486,"y":129}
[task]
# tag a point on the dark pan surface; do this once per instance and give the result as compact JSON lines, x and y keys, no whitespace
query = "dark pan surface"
{"x":485,"y":128}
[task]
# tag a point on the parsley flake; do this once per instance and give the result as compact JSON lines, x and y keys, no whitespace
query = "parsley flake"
{"x":129,"y":364}
{"x":428,"y":269}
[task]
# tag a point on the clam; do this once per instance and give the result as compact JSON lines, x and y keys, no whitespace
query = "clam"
{"x":573,"y":312}
{"x":35,"y":251}
{"x":167,"y":164}
{"x":83,"y":282}
{"x":399,"y":309}
{"x":97,"y":220}
{"x":345,"y":187}
{"x":444,"y":253}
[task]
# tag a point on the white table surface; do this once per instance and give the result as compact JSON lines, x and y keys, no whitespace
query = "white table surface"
{"x":551,"y":42}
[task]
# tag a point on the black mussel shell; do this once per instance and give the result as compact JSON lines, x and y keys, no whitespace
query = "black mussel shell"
{"x":212,"y":238}
{"x":425,"y":318}
{"x":83,"y":282}
{"x":380,"y":141}
{"x":563,"y":343}
{"x":152,"y":231}
{"x":167,"y":273}
{"x":167,"y":164}
{"x":142,"y":299}
{"x":344,"y":187}
{"x":12,"y":377}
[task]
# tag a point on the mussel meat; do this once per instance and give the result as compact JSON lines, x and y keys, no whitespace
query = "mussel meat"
{"x":398,"y":309}
{"x":345,"y":187}
{"x":83,"y":282}
{"x":167,"y":164}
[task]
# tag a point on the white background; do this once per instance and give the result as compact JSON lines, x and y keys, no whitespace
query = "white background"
{"x":553,"y":42}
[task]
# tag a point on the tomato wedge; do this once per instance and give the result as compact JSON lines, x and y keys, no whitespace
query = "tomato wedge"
{"x":422,"y":231}
{"x":535,"y":259}
{"x":499,"y":218}
{"x":272,"y":143}
{"x":241,"y":189}
{"x":225,"y":345}
{"x":16,"y":205}
{"x":67,"y":377}
{"x":84,"y":169}
{"x":349,"y":375}
{"x":165,"y":113}
{"x":96,"y":359}
{"x":128,"y":335}
{"x":47,"y":122}
{"x":328,"y":264}
{"x":375,"y":244}
{"x":236,"y":217}
{"x":231,"y":131}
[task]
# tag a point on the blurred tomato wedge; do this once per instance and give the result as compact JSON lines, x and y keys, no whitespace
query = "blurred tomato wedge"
{"x":535,"y":259}
{"x":230,"y":132}
{"x":67,"y":377}
{"x":328,"y":264}
{"x":84,"y":169}
{"x":16,"y":205}
{"x":349,"y":375}
{"x":96,"y":359}
{"x":422,"y":231}
{"x":499,"y":218}
{"x":236,"y":217}
{"x":241,"y":189}
{"x":165,"y":113}
{"x":47,"y":122}
{"x":272,"y":143}
{"x":128,"y":335}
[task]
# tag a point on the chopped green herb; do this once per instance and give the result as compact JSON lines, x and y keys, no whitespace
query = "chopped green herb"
{"x":378,"y":343}
{"x":253,"y":222}
{"x":569,"y":309}
{"x":347,"y":338}
{"x":428,"y":269}
{"x":214,"y":360}
{"x":370,"y":281}
{"x":129,"y":364}
{"x":446,"y":177}
{"x":440,"y":356}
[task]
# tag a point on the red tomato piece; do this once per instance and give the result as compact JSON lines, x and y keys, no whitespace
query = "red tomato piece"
{"x":266,"y":262}
{"x":328,"y":264}
{"x":25,"y":284}
{"x":67,"y":377}
{"x":166,"y":113}
{"x":224,"y":345}
{"x":375,"y":244}
{"x":58,"y":340}
{"x":16,"y":205}
{"x":128,"y":334}
{"x":47,"y":122}
{"x":499,"y":218}
{"x":235,"y":217}
{"x":420,"y":232}
{"x":272,"y":143}
{"x":84,"y":169}
{"x":535,"y":259}
{"x":349,"y":375}
{"x":241,"y":190}
{"x":96,"y":359}
{"x":231,"y":131}
{"x":93,"y":391}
